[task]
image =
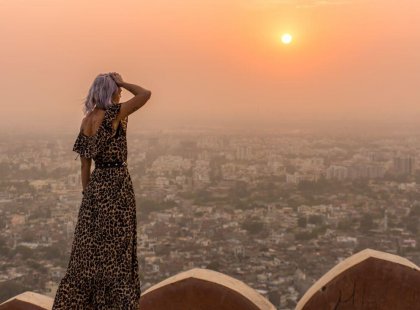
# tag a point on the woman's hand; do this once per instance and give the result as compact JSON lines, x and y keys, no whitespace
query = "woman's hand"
{"x":117,"y":78}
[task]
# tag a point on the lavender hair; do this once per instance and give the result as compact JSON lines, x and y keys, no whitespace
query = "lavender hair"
{"x":100,"y":93}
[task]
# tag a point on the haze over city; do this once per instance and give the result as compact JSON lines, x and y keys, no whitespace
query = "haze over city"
{"x":272,"y":162}
{"x":212,"y":63}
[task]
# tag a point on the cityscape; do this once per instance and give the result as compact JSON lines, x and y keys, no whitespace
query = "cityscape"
{"x":275,"y":210}
{"x":210,"y":155}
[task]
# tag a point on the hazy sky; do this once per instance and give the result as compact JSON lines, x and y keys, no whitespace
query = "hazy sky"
{"x":211,"y":62}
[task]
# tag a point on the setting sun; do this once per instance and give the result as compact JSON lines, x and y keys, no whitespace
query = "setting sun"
{"x":286,"y":38}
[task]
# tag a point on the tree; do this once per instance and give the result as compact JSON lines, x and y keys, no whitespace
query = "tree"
{"x":239,"y":190}
{"x":145,"y":205}
{"x":24,"y":251}
{"x":315,"y":219}
{"x":51,"y":252}
{"x":253,"y":226}
{"x":413,"y":224}
{"x":4,"y":250}
{"x":302,"y":222}
{"x":202,"y":196}
{"x":415,"y":209}
{"x":11,"y":288}
{"x":345,"y":224}
{"x":28,"y":235}
{"x":366,"y":222}
{"x":37,"y":266}
{"x":214,"y":265}
{"x":304,"y":235}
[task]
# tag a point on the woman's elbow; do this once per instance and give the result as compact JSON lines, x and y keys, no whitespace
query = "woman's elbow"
{"x":148,"y":94}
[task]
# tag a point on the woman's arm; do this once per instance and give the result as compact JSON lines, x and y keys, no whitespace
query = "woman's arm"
{"x":86,"y":163}
{"x":141,"y":96}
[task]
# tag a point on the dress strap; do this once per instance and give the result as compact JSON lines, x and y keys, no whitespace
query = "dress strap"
{"x":90,"y":146}
{"x":110,"y":114}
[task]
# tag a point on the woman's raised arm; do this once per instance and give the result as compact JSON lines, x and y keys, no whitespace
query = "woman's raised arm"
{"x":141,"y":96}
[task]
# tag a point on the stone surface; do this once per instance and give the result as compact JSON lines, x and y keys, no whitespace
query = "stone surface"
{"x":27,"y":301}
{"x":367,"y":280}
{"x":203,"y":289}
{"x":198,"y":289}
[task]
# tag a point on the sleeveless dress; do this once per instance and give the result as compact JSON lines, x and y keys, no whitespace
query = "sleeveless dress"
{"x":103,"y":272}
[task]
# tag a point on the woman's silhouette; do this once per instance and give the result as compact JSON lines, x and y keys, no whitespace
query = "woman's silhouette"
{"x":102,"y":272}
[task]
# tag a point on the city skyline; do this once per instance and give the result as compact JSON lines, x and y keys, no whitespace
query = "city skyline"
{"x":292,"y":204}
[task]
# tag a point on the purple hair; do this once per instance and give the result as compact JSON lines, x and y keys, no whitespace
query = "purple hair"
{"x":100,"y":93}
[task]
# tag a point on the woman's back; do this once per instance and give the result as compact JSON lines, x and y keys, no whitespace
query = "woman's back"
{"x":107,"y":143}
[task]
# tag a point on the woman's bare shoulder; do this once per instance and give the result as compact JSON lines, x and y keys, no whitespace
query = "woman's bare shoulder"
{"x":83,"y":123}
{"x":91,"y":122}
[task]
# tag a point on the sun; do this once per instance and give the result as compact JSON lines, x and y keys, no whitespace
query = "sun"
{"x":286,"y":38}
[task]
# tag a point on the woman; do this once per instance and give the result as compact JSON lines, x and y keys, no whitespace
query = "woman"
{"x":102,"y":272}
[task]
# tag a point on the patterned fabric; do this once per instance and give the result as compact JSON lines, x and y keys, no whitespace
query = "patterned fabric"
{"x":103,"y":271}
{"x":90,"y":146}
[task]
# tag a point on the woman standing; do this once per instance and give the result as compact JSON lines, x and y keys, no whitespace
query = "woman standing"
{"x":102,"y":272}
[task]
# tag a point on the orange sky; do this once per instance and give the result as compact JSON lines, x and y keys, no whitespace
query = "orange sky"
{"x":211,"y":62}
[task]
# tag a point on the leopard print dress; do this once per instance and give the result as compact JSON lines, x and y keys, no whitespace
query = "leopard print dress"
{"x":103,"y":272}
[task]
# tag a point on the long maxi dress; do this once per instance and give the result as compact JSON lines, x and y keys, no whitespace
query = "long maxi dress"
{"x":103,"y":271}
